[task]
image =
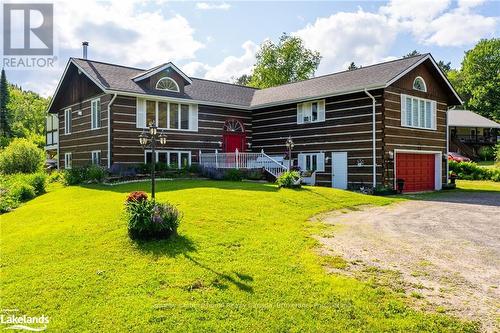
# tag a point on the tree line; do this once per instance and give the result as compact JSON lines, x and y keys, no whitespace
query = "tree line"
{"x":22,"y":114}
{"x":477,"y":80}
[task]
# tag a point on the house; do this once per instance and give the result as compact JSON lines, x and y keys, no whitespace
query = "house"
{"x":368,"y":126}
{"x":469,"y":132}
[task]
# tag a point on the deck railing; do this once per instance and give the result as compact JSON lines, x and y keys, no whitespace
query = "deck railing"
{"x":239,"y":160}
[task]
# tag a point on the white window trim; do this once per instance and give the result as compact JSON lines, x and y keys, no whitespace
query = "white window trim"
{"x":97,"y":153}
{"x":68,"y":160}
{"x":192,"y":115}
{"x":178,"y":152}
{"x":306,"y":107}
{"x":423,"y":81}
{"x":92,"y":103}
{"x":320,"y":161}
{"x":66,"y":112}
{"x":168,"y":79}
{"x":433,"y":112}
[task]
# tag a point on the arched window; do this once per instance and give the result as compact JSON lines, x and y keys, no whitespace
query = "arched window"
{"x":419,"y":84}
{"x":166,"y":83}
{"x":233,"y":125}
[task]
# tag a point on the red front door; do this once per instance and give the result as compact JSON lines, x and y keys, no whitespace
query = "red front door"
{"x":417,"y":170}
{"x":233,"y":141}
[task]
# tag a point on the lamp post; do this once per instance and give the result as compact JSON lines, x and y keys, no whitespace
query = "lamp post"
{"x":151,"y":137}
{"x":289,"y":145}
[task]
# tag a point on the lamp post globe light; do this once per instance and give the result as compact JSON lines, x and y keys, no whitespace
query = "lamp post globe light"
{"x":289,"y":145}
{"x":150,"y":139}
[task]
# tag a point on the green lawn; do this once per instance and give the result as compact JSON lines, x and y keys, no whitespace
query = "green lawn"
{"x":489,"y":164}
{"x":243,"y":261}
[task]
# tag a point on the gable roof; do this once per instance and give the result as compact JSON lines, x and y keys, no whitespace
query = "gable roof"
{"x":113,"y":78}
{"x":465,"y":118}
{"x":160,"y":68}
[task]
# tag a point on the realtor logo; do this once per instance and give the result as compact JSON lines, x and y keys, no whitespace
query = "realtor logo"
{"x":28,"y":29}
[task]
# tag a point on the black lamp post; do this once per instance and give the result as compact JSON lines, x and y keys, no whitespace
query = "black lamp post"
{"x":289,"y":145}
{"x":144,"y":139}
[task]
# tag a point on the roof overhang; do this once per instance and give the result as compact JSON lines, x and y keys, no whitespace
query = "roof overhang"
{"x":160,"y":68}
{"x":80,"y":70}
{"x":465,"y":118}
{"x":427,"y":57}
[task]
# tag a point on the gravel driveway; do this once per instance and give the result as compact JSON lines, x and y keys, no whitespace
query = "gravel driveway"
{"x":445,"y":251}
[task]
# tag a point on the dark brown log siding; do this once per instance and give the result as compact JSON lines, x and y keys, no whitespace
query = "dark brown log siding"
{"x":125,"y":144}
{"x":347,"y":127}
{"x":83,"y":140}
{"x":399,"y":137}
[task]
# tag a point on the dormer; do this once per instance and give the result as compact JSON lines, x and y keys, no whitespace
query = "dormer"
{"x":164,"y":78}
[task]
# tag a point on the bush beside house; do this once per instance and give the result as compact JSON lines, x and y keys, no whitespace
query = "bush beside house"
{"x":472,"y":171}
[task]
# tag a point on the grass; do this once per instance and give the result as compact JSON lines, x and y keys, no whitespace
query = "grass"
{"x":478,"y":185}
{"x":243,"y":261}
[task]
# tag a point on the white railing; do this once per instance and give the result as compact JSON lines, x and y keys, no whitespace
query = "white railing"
{"x":239,"y":160}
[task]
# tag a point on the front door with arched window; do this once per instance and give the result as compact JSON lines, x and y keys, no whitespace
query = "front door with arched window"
{"x":233,"y":136}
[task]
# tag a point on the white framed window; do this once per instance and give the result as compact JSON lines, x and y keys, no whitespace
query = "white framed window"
{"x":68,"y":160}
{"x":96,"y":157}
{"x":167,"y":115}
{"x":176,"y":159}
{"x":418,"y":112}
{"x":67,"y":121}
{"x":311,"y":112}
{"x":312,"y":161}
{"x":168,"y":84}
{"x":419,"y":84}
{"x":95,"y":113}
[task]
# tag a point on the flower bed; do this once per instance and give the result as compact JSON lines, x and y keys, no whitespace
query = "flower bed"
{"x":149,"y":219}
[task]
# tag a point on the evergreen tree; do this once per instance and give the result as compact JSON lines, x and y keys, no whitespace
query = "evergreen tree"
{"x":4,"y":100}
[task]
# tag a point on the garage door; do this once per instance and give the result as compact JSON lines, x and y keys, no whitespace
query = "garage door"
{"x":417,"y":170}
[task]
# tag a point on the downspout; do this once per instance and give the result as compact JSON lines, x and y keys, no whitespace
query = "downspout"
{"x":448,"y":145}
{"x":374,"y":144}
{"x":109,"y":129}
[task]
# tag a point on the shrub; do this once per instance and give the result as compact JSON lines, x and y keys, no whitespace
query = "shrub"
{"x":233,"y":174}
{"x":74,"y":176}
{"x":21,"y":191}
{"x":254,"y":175}
{"x":38,"y":181}
{"x":123,"y":170}
{"x":212,"y":173}
{"x":289,"y":179}
{"x":471,"y":171}
{"x":95,"y":174}
{"x":148,"y":219}
{"x":21,"y":156}
{"x":56,"y":176}
{"x":487,"y":153}
{"x":89,"y":174}
{"x":497,"y":152}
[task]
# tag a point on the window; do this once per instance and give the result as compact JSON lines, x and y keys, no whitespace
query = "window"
{"x":175,"y":159}
{"x":312,"y":162}
{"x":419,"y":84}
{"x":311,"y":112}
{"x":68,"y":160}
{"x":172,"y":116}
{"x":418,"y":112}
{"x":96,"y":157}
{"x":95,"y":113}
{"x":167,"y":84}
{"x":150,"y":112}
{"x":67,"y":121}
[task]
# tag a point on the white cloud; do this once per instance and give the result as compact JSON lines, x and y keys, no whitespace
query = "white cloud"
{"x":212,"y":5}
{"x":125,"y":33}
{"x":362,"y":37}
{"x":230,"y":68}
{"x":433,"y":23}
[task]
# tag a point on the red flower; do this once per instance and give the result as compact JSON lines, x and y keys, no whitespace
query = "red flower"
{"x":137,"y":196}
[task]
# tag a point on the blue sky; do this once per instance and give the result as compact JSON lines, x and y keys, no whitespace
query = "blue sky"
{"x":218,"y":40}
